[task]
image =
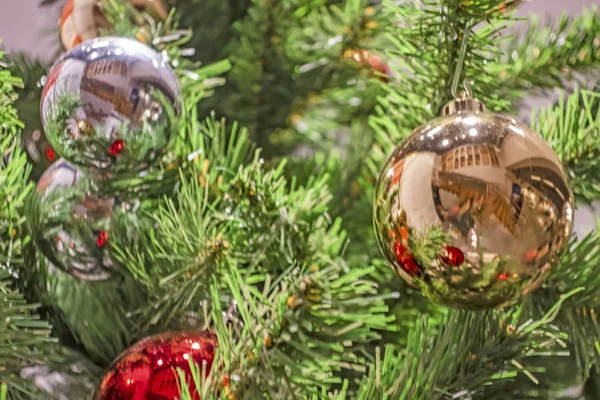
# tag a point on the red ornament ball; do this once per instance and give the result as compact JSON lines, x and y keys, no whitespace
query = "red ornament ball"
{"x":116,"y":147}
{"x":147,"y":370}
{"x":102,"y":238}
{"x":503,"y":276}
{"x":452,"y":256}
{"x":50,"y":154}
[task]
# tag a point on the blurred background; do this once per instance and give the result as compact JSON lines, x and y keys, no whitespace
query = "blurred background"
{"x":25,"y":26}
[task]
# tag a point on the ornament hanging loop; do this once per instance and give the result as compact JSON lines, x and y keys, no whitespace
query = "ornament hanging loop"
{"x":468,"y":92}
{"x":461,"y":62}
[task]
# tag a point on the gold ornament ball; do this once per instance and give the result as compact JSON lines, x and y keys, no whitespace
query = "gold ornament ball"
{"x":473,"y":208}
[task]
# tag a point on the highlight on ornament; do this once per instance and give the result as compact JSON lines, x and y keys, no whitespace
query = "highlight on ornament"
{"x":473,"y":208}
{"x":111,"y":103}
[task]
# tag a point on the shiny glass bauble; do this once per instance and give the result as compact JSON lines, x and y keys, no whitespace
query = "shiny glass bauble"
{"x":111,"y":104}
{"x":148,"y":369}
{"x":73,"y":222}
{"x":473,"y":208}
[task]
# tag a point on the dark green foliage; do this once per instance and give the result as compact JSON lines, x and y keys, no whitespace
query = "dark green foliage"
{"x":28,"y":103}
{"x":213,"y":23}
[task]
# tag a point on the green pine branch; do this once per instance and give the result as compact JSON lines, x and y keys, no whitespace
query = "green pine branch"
{"x":272,"y":248}
{"x":31,"y":72}
{"x":91,"y":315}
{"x":213,"y":23}
{"x":330,"y":41}
{"x":578,"y":317}
{"x":466,"y":357}
{"x":572,"y":128}
{"x":548,"y":55}
{"x":175,"y":265}
{"x":306,"y":328}
{"x":23,"y":335}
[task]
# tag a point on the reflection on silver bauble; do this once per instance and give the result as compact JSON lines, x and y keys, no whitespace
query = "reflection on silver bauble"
{"x":473,"y":208}
{"x":39,"y":151}
{"x":73,"y":223}
{"x":111,"y":103}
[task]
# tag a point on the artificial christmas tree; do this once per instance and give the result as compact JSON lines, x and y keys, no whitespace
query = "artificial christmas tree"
{"x":254,"y":224}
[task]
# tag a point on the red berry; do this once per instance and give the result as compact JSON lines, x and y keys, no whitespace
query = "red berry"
{"x":50,"y":154}
{"x":378,"y":65}
{"x":502,"y":276}
{"x":116,"y":147}
{"x":406,"y":260}
{"x":102,"y":238}
{"x":452,"y":256}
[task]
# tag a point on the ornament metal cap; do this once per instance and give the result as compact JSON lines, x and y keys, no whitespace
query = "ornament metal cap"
{"x":462,"y":105}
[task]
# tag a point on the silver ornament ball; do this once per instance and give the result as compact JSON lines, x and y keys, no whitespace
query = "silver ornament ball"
{"x":111,"y":103}
{"x":473,"y":208}
{"x":73,"y":223}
